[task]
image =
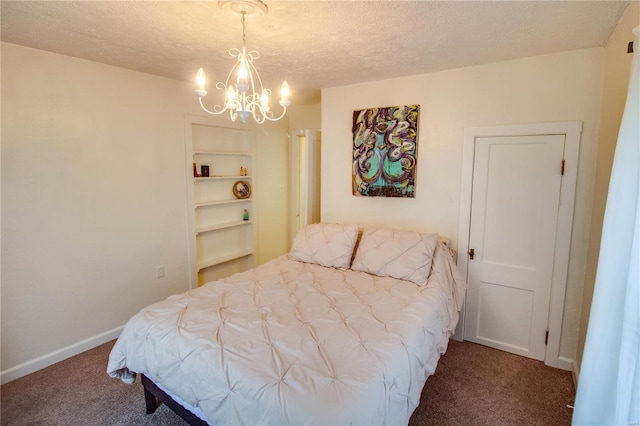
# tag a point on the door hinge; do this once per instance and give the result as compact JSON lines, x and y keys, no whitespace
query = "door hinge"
{"x":562,"y":169}
{"x":472,"y":253}
{"x":546,"y":337}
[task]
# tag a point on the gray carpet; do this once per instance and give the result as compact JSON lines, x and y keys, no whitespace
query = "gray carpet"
{"x":477,"y":385}
{"x":473,"y":385}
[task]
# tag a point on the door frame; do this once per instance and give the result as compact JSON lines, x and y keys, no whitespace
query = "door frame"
{"x":571,"y":130}
{"x":298,"y":178}
{"x":294,"y":181}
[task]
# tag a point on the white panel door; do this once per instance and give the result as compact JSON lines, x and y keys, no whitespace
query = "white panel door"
{"x":514,"y":215}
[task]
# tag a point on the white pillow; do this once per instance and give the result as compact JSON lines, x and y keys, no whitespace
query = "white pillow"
{"x":404,"y":255}
{"x":325,"y":244}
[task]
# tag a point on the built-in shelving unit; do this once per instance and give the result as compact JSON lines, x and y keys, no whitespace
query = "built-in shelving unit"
{"x":216,"y":203}
{"x":222,"y":177}
{"x":217,"y":226}
{"x":224,"y":259}
{"x":222,"y":241}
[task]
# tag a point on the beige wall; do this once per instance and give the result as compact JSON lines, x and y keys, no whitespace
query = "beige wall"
{"x":94,"y":199}
{"x":273,"y":190}
{"x":305,"y":117}
{"x":559,"y":87}
{"x":616,"y":79}
{"x":274,"y":178}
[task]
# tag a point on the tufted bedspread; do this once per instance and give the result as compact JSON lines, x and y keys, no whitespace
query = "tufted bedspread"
{"x":297,"y":343}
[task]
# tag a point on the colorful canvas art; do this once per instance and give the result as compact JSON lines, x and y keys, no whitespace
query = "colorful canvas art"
{"x":385,"y":151}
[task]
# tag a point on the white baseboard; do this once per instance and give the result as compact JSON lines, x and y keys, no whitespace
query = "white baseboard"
{"x":565,"y":363}
{"x":46,"y":360}
{"x":561,"y":363}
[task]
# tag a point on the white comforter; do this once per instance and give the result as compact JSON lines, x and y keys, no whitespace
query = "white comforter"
{"x":296,"y":343}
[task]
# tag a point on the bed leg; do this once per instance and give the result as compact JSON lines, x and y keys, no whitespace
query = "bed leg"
{"x":150,"y":399}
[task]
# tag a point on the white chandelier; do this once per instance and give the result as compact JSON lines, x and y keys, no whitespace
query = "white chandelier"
{"x":245,"y":95}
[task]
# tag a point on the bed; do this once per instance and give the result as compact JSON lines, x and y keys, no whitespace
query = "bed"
{"x":341,"y":330}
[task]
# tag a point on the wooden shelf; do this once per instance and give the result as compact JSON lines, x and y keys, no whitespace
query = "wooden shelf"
{"x":223,"y":259}
{"x":237,"y":154}
{"x":221,"y":226}
{"x":222,"y":202}
{"x":221,"y":177}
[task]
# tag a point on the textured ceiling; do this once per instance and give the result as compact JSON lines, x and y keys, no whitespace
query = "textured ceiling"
{"x":312,"y":44}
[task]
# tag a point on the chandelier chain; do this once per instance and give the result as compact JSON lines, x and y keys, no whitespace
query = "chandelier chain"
{"x":244,"y":37}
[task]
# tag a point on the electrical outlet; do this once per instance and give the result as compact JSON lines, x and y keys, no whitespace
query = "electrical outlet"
{"x":160,"y":271}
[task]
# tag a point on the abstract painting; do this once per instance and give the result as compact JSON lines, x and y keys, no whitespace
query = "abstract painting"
{"x":385,"y":151}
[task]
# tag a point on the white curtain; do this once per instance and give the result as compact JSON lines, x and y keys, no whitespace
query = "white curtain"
{"x":609,"y":385}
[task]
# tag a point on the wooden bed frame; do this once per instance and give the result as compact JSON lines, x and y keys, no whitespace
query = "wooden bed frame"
{"x":154,"y":396}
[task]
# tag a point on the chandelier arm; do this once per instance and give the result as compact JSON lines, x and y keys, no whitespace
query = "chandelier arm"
{"x":259,"y":119}
{"x":257,"y":76}
{"x":252,"y":105}
{"x":252,"y":96}
{"x":208,"y":111}
{"x":259,"y":115}
{"x":284,"y":111}
{"x":233,"y":69}
{"x":253,"y":55}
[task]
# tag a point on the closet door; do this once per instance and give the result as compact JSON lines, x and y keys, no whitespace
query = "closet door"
{"x":514,"y":217}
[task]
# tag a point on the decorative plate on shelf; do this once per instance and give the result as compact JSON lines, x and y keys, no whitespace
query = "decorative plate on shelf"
{"x":242,"y":189}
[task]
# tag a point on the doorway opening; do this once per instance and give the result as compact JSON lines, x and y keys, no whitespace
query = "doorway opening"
{"x":305,"y":179}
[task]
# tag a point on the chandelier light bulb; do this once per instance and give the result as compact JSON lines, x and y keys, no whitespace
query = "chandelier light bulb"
{"x":242,"y":71}
{"x":284,"y":94}
{"x":231,"y":97}
{"x":242,"y":83}
{"x":264,"y":100}
{"x":245,"y":95}
{"x":201,"y":81}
